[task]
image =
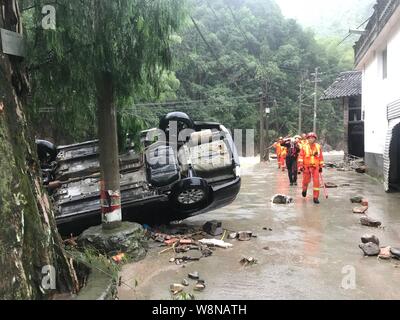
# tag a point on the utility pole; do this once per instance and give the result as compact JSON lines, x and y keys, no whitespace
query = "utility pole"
{"x":301,"y":107}
{"x":262,"y":110}
{"x":266,"y":112}
{"x":264,"y":123}
{"x":316,"y":80}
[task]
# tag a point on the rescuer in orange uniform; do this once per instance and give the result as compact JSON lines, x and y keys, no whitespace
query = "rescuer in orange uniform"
{"x":284,"y":152}
{"x":278,"y":148}
{"x":311,"y":162}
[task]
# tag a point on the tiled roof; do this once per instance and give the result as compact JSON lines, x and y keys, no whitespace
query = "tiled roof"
{"x":348,"y":84}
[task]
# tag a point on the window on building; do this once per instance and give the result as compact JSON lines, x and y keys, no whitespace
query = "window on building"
{"x":384,"y":64}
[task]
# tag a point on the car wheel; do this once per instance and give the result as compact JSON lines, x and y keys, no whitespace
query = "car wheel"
{"x":47,"y":151}
{"x":182,"y":119}
{"x":190,"y":194}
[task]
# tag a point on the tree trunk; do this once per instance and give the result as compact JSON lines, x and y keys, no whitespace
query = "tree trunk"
{"x":109,"y":161}
{"x":29,"y":241}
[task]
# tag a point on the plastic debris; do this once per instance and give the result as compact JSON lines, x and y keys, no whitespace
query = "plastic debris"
{"x":216,"y":243}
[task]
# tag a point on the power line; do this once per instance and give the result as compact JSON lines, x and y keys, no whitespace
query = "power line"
{"x":188,"y":102}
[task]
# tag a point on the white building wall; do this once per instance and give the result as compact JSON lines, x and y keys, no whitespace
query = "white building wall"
{"x":377,"y":92}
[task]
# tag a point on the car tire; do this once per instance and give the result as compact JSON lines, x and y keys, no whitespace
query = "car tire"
{"x":180,"y":117}
{"x":47,"y":151}
{"x":190,"y":194}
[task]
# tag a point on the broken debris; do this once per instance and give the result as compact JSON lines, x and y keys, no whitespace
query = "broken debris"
{"x":232,"y":235}
{"x":213,"y":228}
{"x":185,"y":283}
{"x":245,"y":235}
{"x":365,"y":202}
{"x":330,"y":185}
{"x":385,"y":254}
{"x":248,"y":261}
{"x":360,"y":210}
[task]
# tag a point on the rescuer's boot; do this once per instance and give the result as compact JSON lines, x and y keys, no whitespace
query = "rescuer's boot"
{"x":304,"y":194}
{"x":316,"y":201}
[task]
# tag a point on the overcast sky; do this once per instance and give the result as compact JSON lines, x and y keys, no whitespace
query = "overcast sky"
{"x":309,"y":11}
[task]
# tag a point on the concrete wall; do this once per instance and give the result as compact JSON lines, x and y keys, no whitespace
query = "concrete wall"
{"x":378,"y":92}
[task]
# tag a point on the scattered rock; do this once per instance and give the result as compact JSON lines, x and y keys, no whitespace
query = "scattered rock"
{"x":200,"y":286}
{"x":176,"y":288}
{"x":360,"y":210}
{"x":395,"y":252}
{"x":206,"y":252}
{"x":245,"y":235}
{"x":172,"y":260}
{"x":194,"y":275}
{"x":369,"y":222}
{"x":365,"y":202}
{"x":362,"y":169}
{"x":185,"y":282}
{"x":357,"y":199}
{"x":233,"y":235}
{"x":330,"y":165}
{"x":370,"y":238}
{"x":370,"y":249}
{"x":213,"y":228}
{"x":248,"y":261}
{"x":330,"y":185}
{"x":385,"y":253}
{"x":282,"y":199}
{"x":266,"y":248}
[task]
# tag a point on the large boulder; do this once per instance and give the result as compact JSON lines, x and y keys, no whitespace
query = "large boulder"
{"x":129,"y":239}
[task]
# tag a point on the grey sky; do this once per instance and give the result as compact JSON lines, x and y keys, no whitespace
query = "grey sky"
{"x":311,"y":12}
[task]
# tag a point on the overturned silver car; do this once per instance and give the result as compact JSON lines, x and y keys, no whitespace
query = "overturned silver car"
{"x":186,"y":168}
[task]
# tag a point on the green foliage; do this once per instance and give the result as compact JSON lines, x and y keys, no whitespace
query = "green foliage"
{"x":252,"y":42}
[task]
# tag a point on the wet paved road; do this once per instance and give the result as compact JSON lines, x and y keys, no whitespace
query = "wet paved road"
{"x":309,"y":245}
